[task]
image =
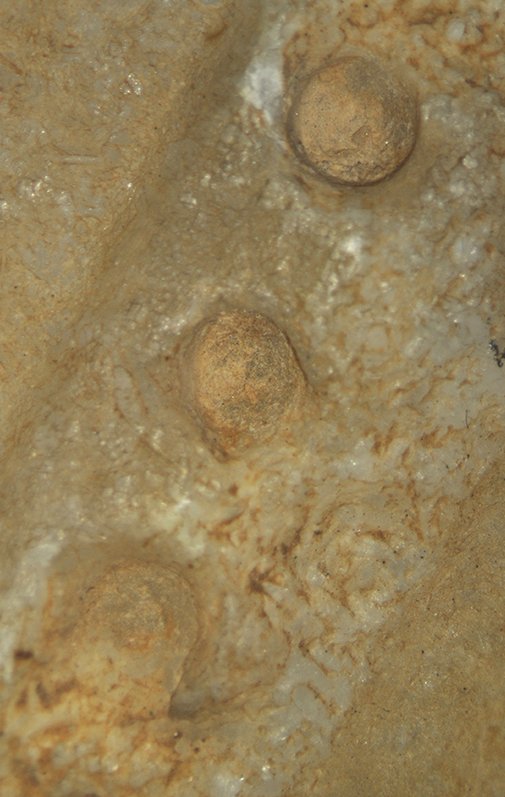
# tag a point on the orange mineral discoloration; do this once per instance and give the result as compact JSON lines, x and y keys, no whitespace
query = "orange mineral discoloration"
{"x":116,"y":668}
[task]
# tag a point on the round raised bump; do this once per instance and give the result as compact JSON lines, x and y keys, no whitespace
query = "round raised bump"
{"x":353,"y":122}
{"x":137,"y":627}
{"x":241,"y":378}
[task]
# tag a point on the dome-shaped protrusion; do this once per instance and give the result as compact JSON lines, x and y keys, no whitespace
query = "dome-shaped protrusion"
{"x":137,"y":627}
{"x":353,"y":122}
{"x":241,"y":379}
{"x":92,"y":699}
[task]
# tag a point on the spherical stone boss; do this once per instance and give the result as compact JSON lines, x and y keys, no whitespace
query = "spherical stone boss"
{"x":353,"y":122}
{"x":241,"y":379}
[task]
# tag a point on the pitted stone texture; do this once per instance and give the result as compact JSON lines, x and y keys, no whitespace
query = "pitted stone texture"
{"x":353,"y":122}
{"x":136,"y":630}
{"x":241,"y":379}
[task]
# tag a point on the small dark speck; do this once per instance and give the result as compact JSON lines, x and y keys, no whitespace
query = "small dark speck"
{"x":499,"y":356}
{"x":23,"y":655}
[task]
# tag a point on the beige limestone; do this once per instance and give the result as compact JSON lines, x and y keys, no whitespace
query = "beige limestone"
{"x":343,"y":583}
{"x":87,"y":104}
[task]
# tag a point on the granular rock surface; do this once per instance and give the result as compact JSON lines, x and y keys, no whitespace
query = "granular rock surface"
{"x":353,"y":122}
{"x":304,"y":597}
{"x":241,"y":379}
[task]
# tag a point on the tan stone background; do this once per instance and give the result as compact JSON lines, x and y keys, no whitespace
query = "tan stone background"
{"x":87,"y":104}
{"x":430,"y":722}
{"x":81,"y":137}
